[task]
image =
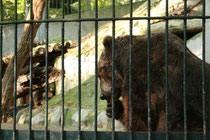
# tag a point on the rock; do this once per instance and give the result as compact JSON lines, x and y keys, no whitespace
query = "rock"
{"x":84,"y":115}
{"x":50,"y":110}
{"x":36,"y":111}
{"x":195,"y":45}
{"x":56,"y":116}
{"x":20,"y":113}
{"x":22,"y":119}
{"x":38,"y":119}
{"x":102,"y":120}
{"x":119,"y":126}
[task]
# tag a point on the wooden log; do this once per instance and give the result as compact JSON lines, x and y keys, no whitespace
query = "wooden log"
{"x":54,"y":50}
{"x":38,"y":87}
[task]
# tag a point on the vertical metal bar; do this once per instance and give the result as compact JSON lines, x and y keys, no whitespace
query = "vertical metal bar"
{"x":31,"y":69}
{"x":62,"y":92}
{"x":1,"y":46}
{"x":79,"y":72}
{"x":46,"y":73}
{"x":64,"y":6}
{"x":185,"y":71}
{"x":204,"y":68}
{"x":56,"y":4}
{"x":166,"y":69}
{"x":113,"y":70}
{"x":68,"y":5}
{"x":96,"y":68}
{"x":148,"y":74}
{"x":130,"y":71}
{"x":52,"y":4}
{"x":15,"y":75}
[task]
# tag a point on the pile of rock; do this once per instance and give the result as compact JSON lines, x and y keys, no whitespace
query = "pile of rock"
{"x":71,"y":118}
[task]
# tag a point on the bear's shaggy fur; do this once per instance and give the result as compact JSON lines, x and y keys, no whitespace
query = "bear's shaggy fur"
{"x":157,"y":83}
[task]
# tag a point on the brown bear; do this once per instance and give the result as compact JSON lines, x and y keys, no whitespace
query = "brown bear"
{"x":157,"y":83}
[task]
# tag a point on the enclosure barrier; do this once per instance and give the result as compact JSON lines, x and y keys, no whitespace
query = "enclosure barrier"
{"x":72,"y":135}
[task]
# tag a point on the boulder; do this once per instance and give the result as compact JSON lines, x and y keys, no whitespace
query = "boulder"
{"x":38,"y":119}
{"x":56,"y":116}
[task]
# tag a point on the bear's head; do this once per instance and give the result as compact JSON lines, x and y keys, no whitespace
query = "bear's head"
{"x":105,"y":72}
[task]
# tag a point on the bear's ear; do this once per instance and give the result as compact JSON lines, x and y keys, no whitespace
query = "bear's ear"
{"x":107,"y":42}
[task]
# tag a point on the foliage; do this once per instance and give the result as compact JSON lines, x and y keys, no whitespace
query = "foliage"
{"x":54,"y":12}
{"x":85,"y":6}
{"x":9,"y":10}
{"x":101,"y":4}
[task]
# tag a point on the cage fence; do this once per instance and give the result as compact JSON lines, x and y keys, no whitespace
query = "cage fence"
{"x":35,"y":67}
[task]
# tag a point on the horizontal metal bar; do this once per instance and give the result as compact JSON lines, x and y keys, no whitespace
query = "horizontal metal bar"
{"x":72,"y":135}
{"x":104,"y":19}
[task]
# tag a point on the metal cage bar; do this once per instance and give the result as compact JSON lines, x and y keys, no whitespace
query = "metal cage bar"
{"x":149,"y":72}
{"x":46,"y":73}
{"x":1,"y":46}
{"x":113,"y":70}
{"x":52,"y":4}
{"x":130,"y":71}
{"x":112,"y":135}
{"x":15,"y":76}
{"x":57,"y":3}
{"x":96,"y":70}
{"x":204,"y":69}
{"x":31,"y":71}
{"x":185,"y":72}
{"x":62,"y":67}
{"x":79,"y":71}
{"x":67,"y":7}
{"x":106,"y":19}
{"x":166,"y":69}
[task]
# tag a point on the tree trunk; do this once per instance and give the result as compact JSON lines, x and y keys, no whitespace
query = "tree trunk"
{"x":23,"y":53}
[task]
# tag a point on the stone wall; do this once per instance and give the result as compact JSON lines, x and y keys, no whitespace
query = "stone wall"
{"x":71,"y":71}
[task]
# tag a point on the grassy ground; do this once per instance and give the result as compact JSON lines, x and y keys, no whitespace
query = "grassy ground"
{"x":87,"y":96}
{"x":87,"y":102}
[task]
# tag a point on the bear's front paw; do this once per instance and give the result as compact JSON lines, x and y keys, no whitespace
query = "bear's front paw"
{"x":118,"y":110}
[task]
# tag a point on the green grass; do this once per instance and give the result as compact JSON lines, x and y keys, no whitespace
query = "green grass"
{"x":69,"y":114}
{"x":87,"y":97}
